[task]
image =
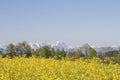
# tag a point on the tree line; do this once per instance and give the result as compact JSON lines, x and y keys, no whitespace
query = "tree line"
{"x":23,"y":49}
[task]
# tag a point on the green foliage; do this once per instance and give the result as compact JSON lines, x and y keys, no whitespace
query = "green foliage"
{"x":92,"y":53}
{"x":58,"y":55}
{"x":100,"y":55}
{"x":44,"y":52}
{"x":78,"y":54}
{"x":24,"y":49}
{"x":71,"y":54}
{"x":11,"y":50}
{"x":117,"y":57}
{"x":63,"y":53}
{"x":53,"y":52}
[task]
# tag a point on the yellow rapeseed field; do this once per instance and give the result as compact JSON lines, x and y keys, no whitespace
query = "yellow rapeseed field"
{"x":50,"y":69}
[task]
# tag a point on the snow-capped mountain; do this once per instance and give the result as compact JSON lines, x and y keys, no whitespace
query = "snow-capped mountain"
{"x":56,"y":45}
{"x":59,"y":45}
{"x":3,"y":48}
{"x":111,"y":48}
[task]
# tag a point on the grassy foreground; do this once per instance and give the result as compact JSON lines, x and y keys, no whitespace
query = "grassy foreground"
{"x":50,"y":69}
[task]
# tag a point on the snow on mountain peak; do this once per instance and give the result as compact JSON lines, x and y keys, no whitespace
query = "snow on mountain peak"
{"x":58,"y":45}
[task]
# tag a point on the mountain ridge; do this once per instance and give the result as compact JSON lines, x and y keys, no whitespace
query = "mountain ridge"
{"x":59,"y":45}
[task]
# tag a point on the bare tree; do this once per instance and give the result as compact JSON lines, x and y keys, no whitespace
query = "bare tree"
{"x":86,"y":48}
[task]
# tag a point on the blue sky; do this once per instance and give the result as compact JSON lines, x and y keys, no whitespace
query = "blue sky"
{"x":75,"y":22}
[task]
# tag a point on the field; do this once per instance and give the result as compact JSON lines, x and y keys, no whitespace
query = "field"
{"x":50,"y":69}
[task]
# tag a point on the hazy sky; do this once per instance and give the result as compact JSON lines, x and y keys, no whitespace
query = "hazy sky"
{"x":75,"y":22}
